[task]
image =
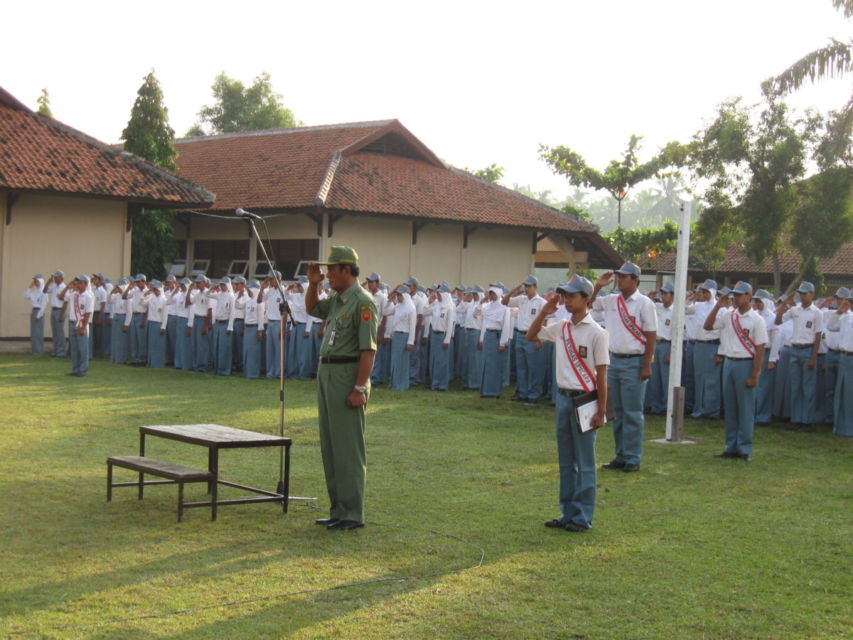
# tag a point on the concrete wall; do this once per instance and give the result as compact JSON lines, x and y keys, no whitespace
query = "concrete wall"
{"x":47,"y":233}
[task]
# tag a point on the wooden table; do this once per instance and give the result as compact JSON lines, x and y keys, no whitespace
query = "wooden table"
{"x":216,"y":437}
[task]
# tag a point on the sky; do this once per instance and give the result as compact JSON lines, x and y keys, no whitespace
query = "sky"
{"x":477,"y":82}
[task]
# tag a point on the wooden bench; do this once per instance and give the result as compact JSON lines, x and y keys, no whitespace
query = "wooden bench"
{"x":175,"y":474}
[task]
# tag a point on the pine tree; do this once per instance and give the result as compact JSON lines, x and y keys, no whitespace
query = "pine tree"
{"x":149,"y":136}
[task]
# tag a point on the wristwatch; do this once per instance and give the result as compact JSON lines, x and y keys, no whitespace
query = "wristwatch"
{"x":360,"y":389}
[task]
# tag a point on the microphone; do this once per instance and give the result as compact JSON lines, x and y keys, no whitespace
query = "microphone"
{"x":247,"y":214}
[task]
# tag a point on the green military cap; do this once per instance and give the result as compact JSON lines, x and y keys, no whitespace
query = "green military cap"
{"x":341,"y":255}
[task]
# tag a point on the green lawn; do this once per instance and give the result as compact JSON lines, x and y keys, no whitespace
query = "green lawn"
{"x":458,"y":488}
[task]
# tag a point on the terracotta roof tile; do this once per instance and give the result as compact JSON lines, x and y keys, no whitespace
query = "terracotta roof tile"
{"x":40,"y":154}
{"x":841,"y":264}
{"x":288,"y":168}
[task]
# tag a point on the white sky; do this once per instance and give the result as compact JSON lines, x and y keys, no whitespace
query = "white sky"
{"x":477,"y":82}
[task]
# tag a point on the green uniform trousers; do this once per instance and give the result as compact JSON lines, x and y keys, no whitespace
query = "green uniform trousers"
{"x":341,"y":441}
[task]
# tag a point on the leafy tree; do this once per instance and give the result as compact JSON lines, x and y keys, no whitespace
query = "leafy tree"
{"x":238,"y":108}
{"x":751,"y":167}
{"x":637,"y":244}
{"x":44,"y":104}
{"x":149,"y":136}
{"x":492,"y":173}
{"x":619,"y":176}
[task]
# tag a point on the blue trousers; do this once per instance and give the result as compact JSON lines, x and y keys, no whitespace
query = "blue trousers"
{"x":201,"y":346}
{"x":252,"y":348}
{"x":474,"y":366}
{"x":156,"y":346}
{"x":656,"y":388}
{"x":781,"y":392}
{"x":764,"y":392}
{"x":380,"y":364}
{"x":57,"y":332}
{"x":291,"y":344}
{"x":36,"y":333}
{"x":183,"y":346}
{"x":842,"y":424}
{"x":494,"y":366}
{"x":459,"y":352}
{"x":172,"y":339}
{"x":627,"y":392}
{"x":831,"y":361}
{"x":415,"y":356}
{"x":576,"y":457}
{"x":138,"y":340}
{"x":400,"y":368}
{"x":306,"y":356}
{"x":106,"y":337}
{"x":688,"y":379}
{"x":529,"y":368}
{"x":316,"y":342}
{"x":79,"y":350}
{"x":823,"y":411}
{"x":425,"y":360}
{"x":273,"y":349}
{"x":740,"y":406}
{"x":441,"y":361}
{"x":120,"y":340}
{"x":707,"y":401}
{"x":221,"y":349}
{"x":802,"y":384}
{"x":237,"y":344}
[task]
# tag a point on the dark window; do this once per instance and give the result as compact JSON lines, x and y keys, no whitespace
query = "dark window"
{"x":221,"y":253}
{"x":286,"y":255}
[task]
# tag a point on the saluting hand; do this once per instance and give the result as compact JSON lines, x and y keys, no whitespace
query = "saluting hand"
{"x":604,"y":279}
{"x":315,"y":276}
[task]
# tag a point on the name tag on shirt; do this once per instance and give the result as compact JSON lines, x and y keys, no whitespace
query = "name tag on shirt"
{"x":666,"y":323}
{"x":809,"y":324}
{"x":582,"y":351}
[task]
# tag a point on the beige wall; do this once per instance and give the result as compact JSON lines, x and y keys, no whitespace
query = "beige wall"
{"x":497,"y":255}
{"x":76,"y":235}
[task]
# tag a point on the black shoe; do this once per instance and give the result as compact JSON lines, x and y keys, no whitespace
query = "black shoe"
{"x":807,"y":428}
{"x":556,"y":523}
{"x":344,"y":525}
{"x":326,"y":521}
{"x":743,"y":456}
{"x":613,"y":464}
{"x":574,"y":527}
{"x":629,"y":467}
{"x":517,"y":398}
{"x":726,"y":454}
{"x":794,"y":426}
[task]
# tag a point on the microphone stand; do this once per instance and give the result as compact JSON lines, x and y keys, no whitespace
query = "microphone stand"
{"x":283,"y":310}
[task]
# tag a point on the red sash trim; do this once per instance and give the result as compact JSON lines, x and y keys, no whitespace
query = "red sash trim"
{"x":628,"y":322}
{"x":744,"y":338}
{"x":579,"y":367}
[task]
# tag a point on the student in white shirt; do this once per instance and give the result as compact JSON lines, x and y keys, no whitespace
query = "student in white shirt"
{"x":39,"y":301}
{"x":582,"y":351}
{"x":656,"y":389}
{"x":495,"y":336}
{"x":55,"y":288}
{"x":81,"y":304}
{"x":156,"y":319}
{"x":841,"y":323}
{"x":530,"y":362}
{"x":743,"y":341}
{"x":805,"y":343}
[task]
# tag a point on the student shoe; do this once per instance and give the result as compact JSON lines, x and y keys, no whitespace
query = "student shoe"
{"x":743,"y":456}
{"x":613,"y":464}
{"x":556,"y":523}
{"x":574,"y":527}
{"x":629,"y":467}
{"x":344,"y":525}
{"x":326,"y":521}
{"x":726,"y":454}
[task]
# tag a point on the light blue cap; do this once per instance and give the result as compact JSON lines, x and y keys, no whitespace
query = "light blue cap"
{"x":478,"y":289}
{"x":200,"y":278}
{"x":763,"y":294}
{"x":170,"y":278}
{"x":742,"y":287}
{"x":185,"y":281}
{"x":443,"y":288}
{"x":140,"y":277}
{"x":709,"y":284}
{"x":225,"y":280}
{"x":254,"y":284}
{"x":806,"y":287}
{"x":401,"y":290}
{"x":239,"y":280}
{"x":123,"y":282}
{"x":83,"y":278}
{"x":843,"y":293}
{"x":58,"y":274}
{"x":531,"y":281}
{"x":412,"y":282}
{"x":724,"y":291}
{"x":374,"y":277}
{"x":421,"y":288}
{"x":629,"y":269}
{"x":577,"y":284}
{"x":667,"y":287}
{"x":156,"y":284}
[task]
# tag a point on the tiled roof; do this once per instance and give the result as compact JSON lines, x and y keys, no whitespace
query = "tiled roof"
{"x":40,"y":154}
{"x":736,"y":261}
{"x":369,"y":167}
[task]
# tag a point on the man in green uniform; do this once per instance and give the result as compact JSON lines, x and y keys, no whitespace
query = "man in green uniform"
{"x":343,"y":382}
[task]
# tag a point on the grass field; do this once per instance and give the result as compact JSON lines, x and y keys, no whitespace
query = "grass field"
{"x":458,"y":488}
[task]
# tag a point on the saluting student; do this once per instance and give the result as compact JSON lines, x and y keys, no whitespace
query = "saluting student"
{"x":495,"y":336}
{"x":55,"y":288}
{"x":402,"y":324}
{"x":841,"y":323}
{"x":199,"y":322}
{"x":529,"y":357}
{"x":156,"y":318}
{"x":582,"y":358}
{"x":743,"y":341}
{"x":39,"y":301}
{"x":632,"y":324}
{"x":656,"y":399}
{"x":134,"y":321}
{"x":805,"y":342}
{"x":81,"y":304}
{"x":253,"y":333}
{"x":707,"y":401}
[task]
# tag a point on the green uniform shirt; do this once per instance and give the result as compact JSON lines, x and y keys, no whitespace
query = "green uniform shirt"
{"x":351,"y":323}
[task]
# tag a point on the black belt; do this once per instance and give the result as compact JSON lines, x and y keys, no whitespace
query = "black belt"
{"x":709,"y":341}
{"x":571,"y":393}
{"x":802,"y":346}
{"x":627,"y":355}
{"x":340,"y":360}
{"x":493,"y":330}
{"x":663,"y":340}
{"x":251,"y":325}
{"x":746,"y":358}
{"x":845,"y":353}
{"x":438,"y":332}
{"x":401,"y":332}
